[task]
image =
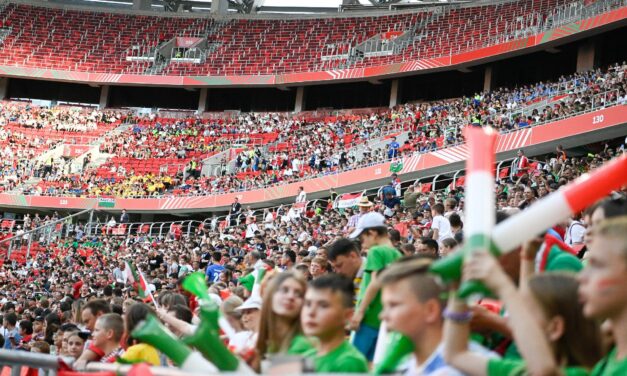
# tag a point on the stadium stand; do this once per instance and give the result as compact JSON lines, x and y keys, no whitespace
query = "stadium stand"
{"x":157,"y":241}
{"x":163,"y":156}
{"x":43,"y":37}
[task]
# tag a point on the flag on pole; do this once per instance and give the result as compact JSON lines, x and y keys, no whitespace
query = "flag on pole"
{"x":137,"y":280}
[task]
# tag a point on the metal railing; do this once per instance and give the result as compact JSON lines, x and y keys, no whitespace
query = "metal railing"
{"x":47,"y":364}
{"x":45,"y":234}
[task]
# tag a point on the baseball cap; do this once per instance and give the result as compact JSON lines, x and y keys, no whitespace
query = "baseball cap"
{"x":368,"y":220}
{"x":251,"y":303}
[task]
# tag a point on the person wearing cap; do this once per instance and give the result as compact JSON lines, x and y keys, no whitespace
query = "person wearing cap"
{"x":250,"y":311}
{"x":364,"y":206}
{"x":372,"y":232}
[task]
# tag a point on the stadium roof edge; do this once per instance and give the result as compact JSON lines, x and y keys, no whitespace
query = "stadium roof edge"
{"x":87,"y":7}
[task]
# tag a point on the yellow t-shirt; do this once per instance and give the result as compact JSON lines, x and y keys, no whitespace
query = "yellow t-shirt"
{"x":141,"y":353}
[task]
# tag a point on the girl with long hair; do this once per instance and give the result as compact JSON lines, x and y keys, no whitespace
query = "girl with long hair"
{"x":280,"y":331}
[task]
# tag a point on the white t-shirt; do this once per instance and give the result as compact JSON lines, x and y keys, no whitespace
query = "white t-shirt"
{"x":443,"y":226}
{"x":243,"y":341}
{"x":575,"y":233}
{"x":302,"y":197}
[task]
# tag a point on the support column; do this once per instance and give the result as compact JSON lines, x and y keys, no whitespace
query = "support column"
{"x":487,"y":78}
{"x":300,"y":99}
{"x":219,"y":7}
{"x":104,"y":97}
{"x":585,"y":56}
{"x":4,"y":88}
{"x":141,"y":4}
{"x":202,"y":100}
{"x":394,"y":93}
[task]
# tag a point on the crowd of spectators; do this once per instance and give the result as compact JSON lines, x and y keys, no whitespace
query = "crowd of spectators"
{"x":276,"y":148}
{"x":59,"y":118}
{"x":56,"y":300}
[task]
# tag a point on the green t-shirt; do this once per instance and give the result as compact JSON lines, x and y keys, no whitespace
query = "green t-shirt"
{"x":610,"y":366}
{"x":512,"y":367}
{"x":378,"y":258}
{"x":344,"y":359}
{"x":300,"y":345}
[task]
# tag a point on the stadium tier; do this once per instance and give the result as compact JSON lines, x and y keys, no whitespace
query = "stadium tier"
{"x":101,"y":42}
{"x":154,"y":157}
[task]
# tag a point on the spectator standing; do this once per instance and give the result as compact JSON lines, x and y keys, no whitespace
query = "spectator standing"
{"x":393,"y":148}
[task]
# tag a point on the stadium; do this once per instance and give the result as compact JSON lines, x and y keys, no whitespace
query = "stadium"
{"x":297,"y":187}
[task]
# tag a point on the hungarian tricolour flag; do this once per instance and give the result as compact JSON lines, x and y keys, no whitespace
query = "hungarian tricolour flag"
{"x":347,"y":200}
{"x":135,"y":277}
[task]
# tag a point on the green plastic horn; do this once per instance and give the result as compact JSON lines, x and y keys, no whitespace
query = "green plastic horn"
{"x":398,"y":347}
{"x":152,"y":332}
{"x":206,"y":338}
{"x":449,"y":269}
{"x":195,"y":284}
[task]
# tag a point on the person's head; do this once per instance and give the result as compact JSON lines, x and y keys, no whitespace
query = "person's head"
{"x":604,"y":276}
{"x":288,"y":258}
{"x":181,"y":312}
{"x":10,"y":320}
{"x":26,"y":328}
{"x":75,"y":344}
{"x":108,"y":331}
{"x":553,"y":301}
{"x":38,"y":324}
{"x":250,"y":312}
{"x":450,"y":204}
{"x":318,"y":267}
{"x":229,"y":309}
{"x":281,"y":304}
{"x":135,"y":314}
{"x":427,"y":246}
{"x":371,"y":230}
{"x":41,"y":347}
{"x":92,"y":310}
{"x":344,"y":257}
{"x":395,"y":236}
{"x":328,"y":306}
{"x":407,"y":249}
{"x":412,"y":299}
{"x":448,"y":246}
{"x":455,"y":221}
{"x":608,"y":208}
{"x":437,"y":209}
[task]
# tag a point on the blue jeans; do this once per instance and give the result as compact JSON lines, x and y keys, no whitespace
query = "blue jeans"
{"x":365,"y":340}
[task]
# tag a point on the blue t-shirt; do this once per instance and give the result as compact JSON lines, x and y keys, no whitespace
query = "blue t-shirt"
{"x":12,"y":334}
{"x":213,"y":272}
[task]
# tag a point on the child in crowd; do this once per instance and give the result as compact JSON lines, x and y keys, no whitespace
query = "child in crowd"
{"x":75,"y":345}
{"x":603,"y":290}
{"x":107,"y":334}
{"x":545,"y":317}
{"x":328,"y":308}
{"x":413,"y":302}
